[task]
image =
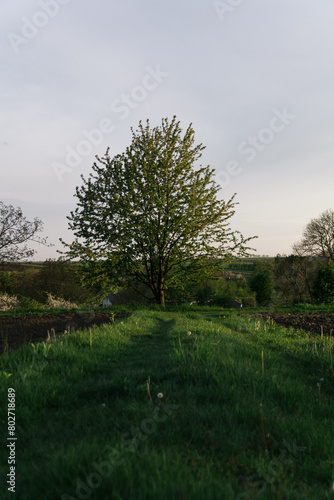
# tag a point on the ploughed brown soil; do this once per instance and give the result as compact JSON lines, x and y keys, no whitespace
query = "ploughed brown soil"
{"x":312,"y":322}
{"x":15,"y":331}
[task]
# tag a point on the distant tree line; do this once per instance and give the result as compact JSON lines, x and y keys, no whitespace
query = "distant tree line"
{"x":283,"y":280}
{"x":242,"y":266}
{"x":293,"y":279}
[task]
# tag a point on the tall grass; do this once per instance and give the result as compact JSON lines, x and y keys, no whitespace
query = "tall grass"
{"x":239,"y":415}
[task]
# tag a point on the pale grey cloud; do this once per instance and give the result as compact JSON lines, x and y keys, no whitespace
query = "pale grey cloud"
{"x":225,"y":76}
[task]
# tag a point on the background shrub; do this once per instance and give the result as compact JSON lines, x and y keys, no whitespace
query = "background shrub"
{"x":263,"y":286}
{"x":323,"y":285}
{"x":60,"y":278}
{"x":223,"y":299}
{"x":7,"y":282}
{"x":204,"y":295}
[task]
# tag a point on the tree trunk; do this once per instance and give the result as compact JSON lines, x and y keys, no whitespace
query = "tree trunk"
{"x":161,"y":290}
{"x":160,"y":297}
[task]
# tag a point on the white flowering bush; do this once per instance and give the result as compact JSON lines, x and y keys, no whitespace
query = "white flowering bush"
{"x":8,"y":302}
{"x":59,"y":303}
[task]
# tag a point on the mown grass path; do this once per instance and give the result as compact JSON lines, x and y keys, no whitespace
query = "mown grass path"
{"x":241,"y":415}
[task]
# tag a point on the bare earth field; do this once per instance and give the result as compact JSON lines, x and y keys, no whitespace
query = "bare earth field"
{"x":313,"y":322}
{"x":15,"y":331}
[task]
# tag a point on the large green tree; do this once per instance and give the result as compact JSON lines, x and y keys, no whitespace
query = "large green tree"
{"x":151,"y":216}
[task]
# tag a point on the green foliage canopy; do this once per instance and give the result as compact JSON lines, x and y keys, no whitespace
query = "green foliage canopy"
{"x":148,"y":216}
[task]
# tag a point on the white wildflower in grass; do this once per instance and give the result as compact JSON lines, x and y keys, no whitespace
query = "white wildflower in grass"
{"x":189,"y":333}
{"x":160,"y":395}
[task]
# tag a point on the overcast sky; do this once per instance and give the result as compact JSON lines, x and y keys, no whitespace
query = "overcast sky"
{"x":254,"y":77}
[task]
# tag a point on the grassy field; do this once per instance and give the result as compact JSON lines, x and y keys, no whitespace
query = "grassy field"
{"x":247,"y":411}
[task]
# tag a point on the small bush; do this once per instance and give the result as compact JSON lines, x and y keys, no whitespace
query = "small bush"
{"x":58,"y":303}
{"x":7,"y":283}
{"x":249,"y":301}
{"x":8,"y":302}
{"x":28,"y":303}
